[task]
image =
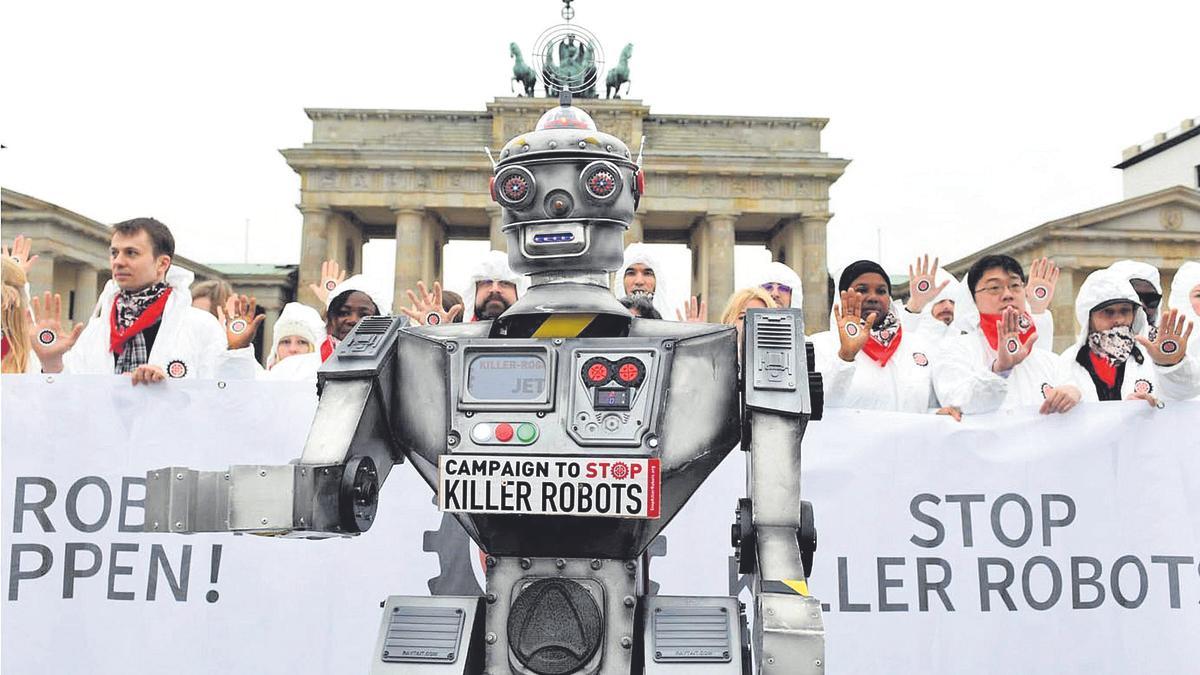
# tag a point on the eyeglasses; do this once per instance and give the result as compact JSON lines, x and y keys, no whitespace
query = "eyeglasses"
{"x":1017,"y":287}
{"x":771,"y":287}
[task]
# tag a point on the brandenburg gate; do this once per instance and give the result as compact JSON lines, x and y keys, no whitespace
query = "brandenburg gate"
{"x":421,"y":176}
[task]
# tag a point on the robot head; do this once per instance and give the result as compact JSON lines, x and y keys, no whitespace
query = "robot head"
{"x":569,"y":192}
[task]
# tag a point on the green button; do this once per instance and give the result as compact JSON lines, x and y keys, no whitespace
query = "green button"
{"x":526,"y":432}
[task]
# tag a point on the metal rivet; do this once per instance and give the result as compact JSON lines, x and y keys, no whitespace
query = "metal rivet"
{"x":156,"y":524}
{"x":264,"y":521}
{"x":630,"y":565}
{"x":558,"y":341}
{"x":582,"y":145}
{"x":395,"y":609}
{"x":526,"y":563}
{"x":596,"y":564}
{"x":263,"y":473}
{"x":626,"y":642}
{"x":491,"y":598}
{"x":553,"y":144}
{"x":220,"y":385}
{"x":560,"y":563}
{"x":653,"y":442}
{"x":179,"y":525}
{"x":178,"y":476}
{"x":451,"y":347}
{"x":629,"y":601}
{"x":817,"y":663}
{"x":608,"y":148}
{"x":524,"y":148}
{"x":452,"y":439}
{"x":491,"y":638}
{"x":770,"y":659}
{"x":491,"y":562}
{"x":658,"y":655}
{"x":725,"y":654}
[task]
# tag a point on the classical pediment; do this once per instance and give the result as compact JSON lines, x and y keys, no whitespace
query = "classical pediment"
{"x":1173,"y":211}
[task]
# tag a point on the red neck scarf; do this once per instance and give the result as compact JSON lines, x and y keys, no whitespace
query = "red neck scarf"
{"x":327,"y":348}
{"x":880,"y":351}
{"x":153,"y":312}
{"x":990,"y":324}
{"x":1105,"y":370}
{"x":5,"y":347}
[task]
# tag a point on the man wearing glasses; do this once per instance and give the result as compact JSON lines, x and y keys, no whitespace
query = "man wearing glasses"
{"x":782,"y":284}
{"x":994,"y":366}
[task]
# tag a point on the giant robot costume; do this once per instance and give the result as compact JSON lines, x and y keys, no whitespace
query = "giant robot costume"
{"x":564,"y":436}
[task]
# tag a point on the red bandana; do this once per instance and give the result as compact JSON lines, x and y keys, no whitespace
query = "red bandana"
{"x":879,"y":351}
{"x":990,"y":324}
{"x":1105,"y":370}
{"x":327,"y":348}
{"x":117,"y":337}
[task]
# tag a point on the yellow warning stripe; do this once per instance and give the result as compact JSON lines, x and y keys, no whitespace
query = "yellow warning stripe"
{"x":798,"y":585}
{"x":563,"y":325}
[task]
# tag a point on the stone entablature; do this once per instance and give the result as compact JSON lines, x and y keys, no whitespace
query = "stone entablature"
{"x":422,"y":176}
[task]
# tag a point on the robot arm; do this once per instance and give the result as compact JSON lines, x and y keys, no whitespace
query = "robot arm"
{"x":332,"y":488}
{"x":773,"y":535}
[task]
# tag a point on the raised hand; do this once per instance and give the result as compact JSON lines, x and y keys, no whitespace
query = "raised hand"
{"x":922,"y":288}
{"x":427,"y":309}
{"x":693,"y":311}
{"x":20,"y":252}
{"x":1169,"y":346}
{"x":1009,"y":350}
{"x":331,"y":276}
{"x":1043,"y":277}
{"x":853,"y":329}
{"x":47,"y":337}
{"x":240,"y":320}
{"x":1060,"y":399}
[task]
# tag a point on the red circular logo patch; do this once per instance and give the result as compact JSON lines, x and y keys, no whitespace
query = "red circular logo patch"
{"x":433,"y":319}
{"x":47,"y":337}
{"x":1143,"y":387}
{"x":920,"y":359}
{"x":177,"y":369}
{"x":852,"y":329}
{"x":1169,"y":347}
{"x":1012,"y":346}
{"x":238,"y":326}
{"x":1041,"y":292}
{"x":330,"y":285}
{"x":620,"y":470}
{"x":923,"y":285}
{"x":1023,"y":323}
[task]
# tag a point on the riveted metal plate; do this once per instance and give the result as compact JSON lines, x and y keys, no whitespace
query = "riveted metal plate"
{"x":698,"y":634}
{"x":423,"y":634}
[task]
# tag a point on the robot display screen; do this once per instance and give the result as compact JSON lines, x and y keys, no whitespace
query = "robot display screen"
{"x":507,"y":377}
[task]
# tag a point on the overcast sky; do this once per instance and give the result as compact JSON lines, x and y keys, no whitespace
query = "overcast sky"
{"x":964,"y":124}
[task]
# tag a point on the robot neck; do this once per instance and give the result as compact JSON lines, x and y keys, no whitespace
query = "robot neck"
{"x":588,"y":277}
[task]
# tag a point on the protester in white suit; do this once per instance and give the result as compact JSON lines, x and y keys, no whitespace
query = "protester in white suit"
{"x":641,"y":275}
{"x":1185,"y":297}
{"x":782,"y":283}
{"x":145,"y":325}
{"x":1113,"y":360}
{"x":995,"y":365}
{"x":1147,"y":283}
{"x":351,"y":301}
{"x":866,"y":358}
{"x":297,"y":334}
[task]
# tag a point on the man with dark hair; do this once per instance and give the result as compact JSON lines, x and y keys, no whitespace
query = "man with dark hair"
{"x":994,"y":366}
{"x":145,"y":325}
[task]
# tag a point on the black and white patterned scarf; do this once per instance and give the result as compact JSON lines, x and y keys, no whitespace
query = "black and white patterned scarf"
{"x":129,"y":307}
{"x":1114,"y":344}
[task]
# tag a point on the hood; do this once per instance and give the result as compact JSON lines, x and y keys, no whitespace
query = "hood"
{"x":780,"y":273}
{"x":382,"y":298}
{"x":642,"y":254}
{"x":1100,"y":287}
{"x":1187,"y":278}
{"x":953,"y":292}
{"x":1132,"y":269}
{"x":493,"y":265}
{"x":297,"y":319}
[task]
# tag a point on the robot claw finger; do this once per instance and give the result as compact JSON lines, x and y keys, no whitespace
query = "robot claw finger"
{"x":564,"y":436}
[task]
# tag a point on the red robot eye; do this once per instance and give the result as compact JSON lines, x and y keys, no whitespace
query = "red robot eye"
{"x":515,"y":188}
{"x":601,"y":183}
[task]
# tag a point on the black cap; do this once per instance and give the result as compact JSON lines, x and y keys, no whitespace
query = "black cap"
{"x":858,"y":268}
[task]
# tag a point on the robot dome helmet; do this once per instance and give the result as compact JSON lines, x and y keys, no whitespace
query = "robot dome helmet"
{"x":566,"y":117}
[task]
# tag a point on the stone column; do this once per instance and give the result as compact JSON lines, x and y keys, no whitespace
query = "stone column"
{"x":712,"y":261}
{"x":87,"y":290}
{"x":433,"y":238}
{"x":314,"y":250}
{"x":636,"y":232}
{"x":1062,"y":307}
{"x":813,"y":271}
{"x":496,"y":219}
{"x":410,"y":252}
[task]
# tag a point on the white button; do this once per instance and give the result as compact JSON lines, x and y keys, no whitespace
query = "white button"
{"x":482,"y":433}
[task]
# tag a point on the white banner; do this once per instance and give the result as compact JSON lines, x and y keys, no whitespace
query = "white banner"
{"x":1002,"y":544}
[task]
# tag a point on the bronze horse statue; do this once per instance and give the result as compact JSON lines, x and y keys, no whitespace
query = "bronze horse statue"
{"x":619,"y":75}
{"x":521,"y":72}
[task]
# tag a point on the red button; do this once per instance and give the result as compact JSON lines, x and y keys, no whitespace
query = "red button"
{"x":628,"y":372}
{"x":504,"y":432}
{"x":597,"y":373}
